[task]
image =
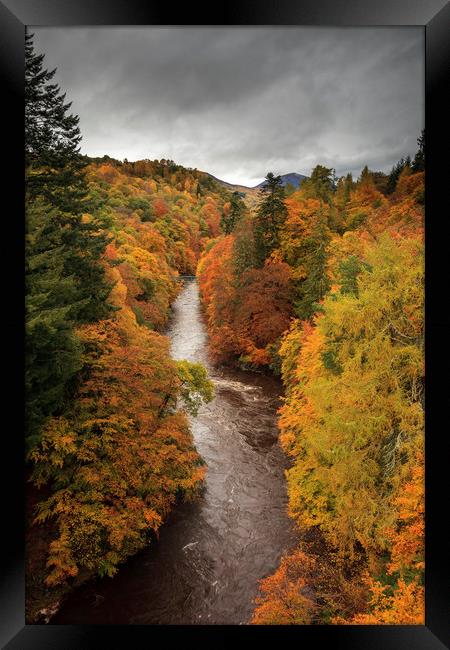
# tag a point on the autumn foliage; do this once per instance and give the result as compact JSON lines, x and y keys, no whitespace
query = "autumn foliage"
{"x":324,"y":287}
{"x":337,"y":310}
{"x":123,"y":454}
{"x":117,"y":454}
{"x":246,"y":313}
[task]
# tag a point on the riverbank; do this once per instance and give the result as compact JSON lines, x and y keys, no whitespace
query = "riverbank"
{"x":211,"y":553}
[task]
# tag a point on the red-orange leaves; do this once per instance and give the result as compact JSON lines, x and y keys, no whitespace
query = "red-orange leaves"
{"x":215,"y":273}
{"x":408,"y":536}
{"x":160,"y":207}
{"x":402,"y":604}
{"x":246,"y":313}
{"x":264,"y":307}
{"x":286,"y":598}
{"x":121,"y":456}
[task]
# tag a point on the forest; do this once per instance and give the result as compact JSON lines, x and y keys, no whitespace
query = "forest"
{"x":321,"y":286}
{"x":109,"y":450}
{"x":325,"y":287}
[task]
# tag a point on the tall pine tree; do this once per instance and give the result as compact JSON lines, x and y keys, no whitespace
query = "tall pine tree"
{"x":52,"y":138}
{"x":271,"y":215}
{"x":53,"y":352}
{"x":65,"y":283}
{"x":418,"y":164}
{"x":55,"y":172}
{"x":237,"y":209}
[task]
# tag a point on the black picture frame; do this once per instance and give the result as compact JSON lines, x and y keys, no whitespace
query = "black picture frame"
{"x":434,"y":16}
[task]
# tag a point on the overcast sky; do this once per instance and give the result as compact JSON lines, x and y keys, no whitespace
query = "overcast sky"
{"x":239,"y":102}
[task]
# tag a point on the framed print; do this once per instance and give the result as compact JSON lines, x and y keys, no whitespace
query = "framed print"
{"x":233,"y":235}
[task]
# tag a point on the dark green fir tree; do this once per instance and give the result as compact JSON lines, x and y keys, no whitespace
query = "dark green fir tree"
{"x":65,"y":240}
{"x":271,"y":215}
{"x":55,"y":172}
{"x":237,"y":210}
{"x":418,"y":164}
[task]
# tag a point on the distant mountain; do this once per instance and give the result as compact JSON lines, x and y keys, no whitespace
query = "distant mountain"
{"x":251,"y":195}
{"x":293,"y":178}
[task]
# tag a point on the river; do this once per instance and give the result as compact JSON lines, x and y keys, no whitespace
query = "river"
{"x":211,"y":553}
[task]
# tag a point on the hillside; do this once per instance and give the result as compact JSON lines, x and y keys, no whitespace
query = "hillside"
{"x":259,"y":350}
{"x":250,"y":195}
{"x":325,"y":288}
{"x":117,"y":391}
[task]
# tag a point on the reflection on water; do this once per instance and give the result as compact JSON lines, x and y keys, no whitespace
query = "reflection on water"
{"x":210,"y":555}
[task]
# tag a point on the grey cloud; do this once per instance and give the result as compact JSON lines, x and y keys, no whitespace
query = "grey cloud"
{"x":239,"y":102}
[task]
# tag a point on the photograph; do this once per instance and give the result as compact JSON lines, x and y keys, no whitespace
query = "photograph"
{"x":224,"y":325}
{"x":229,"y":236}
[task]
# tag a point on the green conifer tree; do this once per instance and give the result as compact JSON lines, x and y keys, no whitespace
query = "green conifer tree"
{"x":52,"y":139}
{"x":321,"y":184}
{"x":418,"y":164}
{"x":55,"y":171}
{"x":237,"y":209}
{"x":65,"y":283}
{"x":53,"y":352}
{"x":270,"y":216}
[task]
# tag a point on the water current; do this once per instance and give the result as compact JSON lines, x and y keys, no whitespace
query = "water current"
{"x":211,"y":553}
